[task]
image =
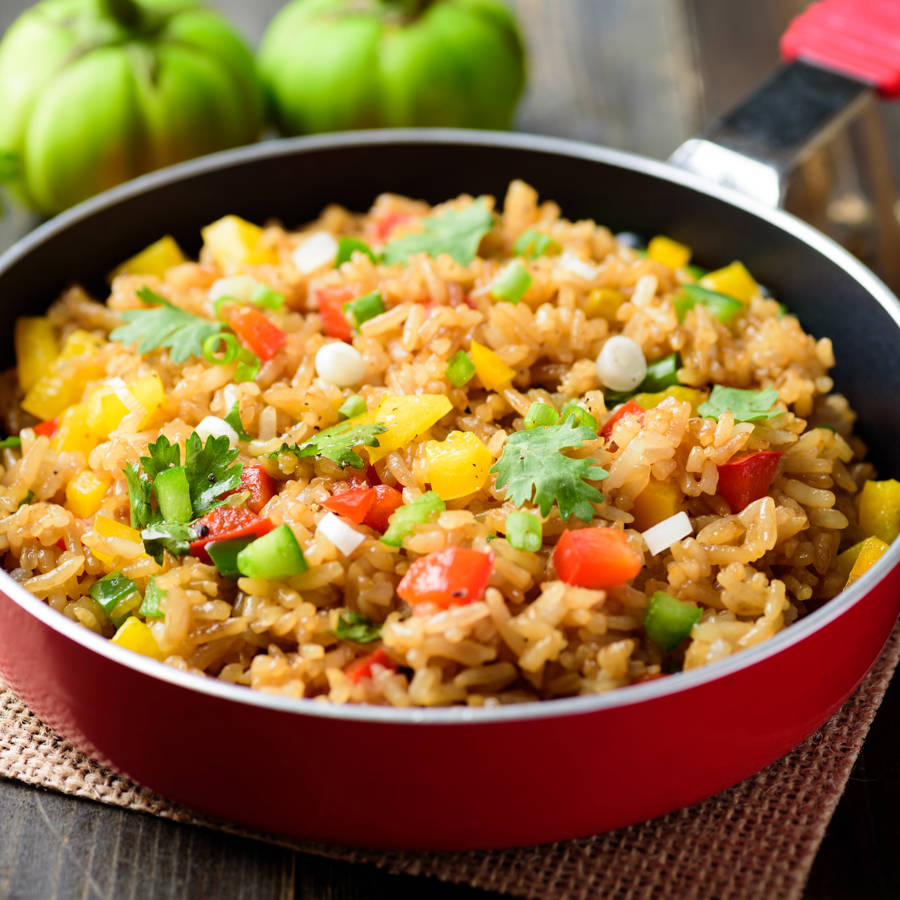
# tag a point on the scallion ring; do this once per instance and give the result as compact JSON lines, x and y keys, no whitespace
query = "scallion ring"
{"x":229,"y":353}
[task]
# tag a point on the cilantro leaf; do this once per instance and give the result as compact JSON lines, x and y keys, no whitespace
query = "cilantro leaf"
{"x":163,"y":455}
{"x":354,"y":626}
{"x":211,"y":471}
{"x":745,"y":406}
{"x":234,"y":420}
{"x":337,"y":444}
{"x":175,"y":537}
{"x":457,"y":232}
{"x":140,"y":495}
{"x":165,"y":325}
{"x":532,"y":462}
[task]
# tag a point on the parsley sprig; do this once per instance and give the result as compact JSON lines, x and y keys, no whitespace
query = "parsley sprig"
{"x":211,"y":472}
{"x":337,"y":444}
{"x":745,"y":406}
{"x":457,"y":232}
{"x":533,"y":468}
{"x":354,"y":626}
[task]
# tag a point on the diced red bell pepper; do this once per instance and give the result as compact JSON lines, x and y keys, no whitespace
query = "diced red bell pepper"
{"x":370,"y":506}
{"x":260,"y":485}
{"x":747,"y":477}
{"x":631,"y":408}
{"x":362,"y":667}
{"x":354,"y":504}
{"x":387,"y":501}
{"x":595,"y":558}
{"x":331,"y":302}
{"x":382,"y":227}
{"x":256,"y":330}
{"x":224,"y":523}
{"x":48,"y":428}
{"x":453,"y":576}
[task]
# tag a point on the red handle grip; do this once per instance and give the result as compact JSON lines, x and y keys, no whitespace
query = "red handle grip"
{"x":859,"y":38}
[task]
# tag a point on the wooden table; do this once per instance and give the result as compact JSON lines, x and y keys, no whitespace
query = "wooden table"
{"x":636,"y":74}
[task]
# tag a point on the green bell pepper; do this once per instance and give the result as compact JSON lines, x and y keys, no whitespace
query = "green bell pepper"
{"x":95,"y":92}
{"x":337,"y":64}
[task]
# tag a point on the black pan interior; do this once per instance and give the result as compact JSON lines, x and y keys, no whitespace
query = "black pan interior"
{"x":292,"y":183}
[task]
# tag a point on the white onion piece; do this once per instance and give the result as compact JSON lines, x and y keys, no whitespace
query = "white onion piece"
{"x":230,"y":395}
{"x":663,"y":534}
{"x":316,"y":251}
{"x":621,"y":365}
{"x":569,"y":262}
{"x":341,"y":364}
{"x":345,"y":538}
{"x":241,"y":287}
{"x":212,"y":426}
{"x":120,"y":389}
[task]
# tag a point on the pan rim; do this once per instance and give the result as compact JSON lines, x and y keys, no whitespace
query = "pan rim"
{"x":534,"y":710}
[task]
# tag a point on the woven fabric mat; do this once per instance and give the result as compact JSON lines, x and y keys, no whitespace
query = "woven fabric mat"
{"x":757,"y":839}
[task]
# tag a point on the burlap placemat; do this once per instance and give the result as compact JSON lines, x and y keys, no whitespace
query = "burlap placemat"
{"x":758,"y":839}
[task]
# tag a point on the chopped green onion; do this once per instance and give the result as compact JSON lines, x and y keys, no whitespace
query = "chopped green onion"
{"x":266,"y":297}
{"x":720,"y":306}
{"x":211,"y":348}
{"x":512,"y":283}
{"x":116,"y":595}
{"x":224,"y":554}
{"x":533,"y":243}
{"x":579,"y":415}
{"x":402,"y":521}
{"x":222,"y":301}
{"x":248,"y":366}
{"x":524,"y":531}
{"x":150,"y":607}
{"x":540,"y":414}
{"x":11,"y":442}
{"x":364,"y":308}
{"x":274,"y":555}
{"x":782,"y":311}
{"x":347,"y":246}
{"x":660,"y":375}
{"x":669,"y":621}
{"x":460,"y":369}
{"x":173,"y":495}
{"x":353,"y":406}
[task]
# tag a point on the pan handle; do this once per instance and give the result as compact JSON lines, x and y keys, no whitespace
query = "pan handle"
{"x":838,"y":52}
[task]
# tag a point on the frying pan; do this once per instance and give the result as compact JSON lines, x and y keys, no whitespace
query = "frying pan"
{"x":460,"y":778}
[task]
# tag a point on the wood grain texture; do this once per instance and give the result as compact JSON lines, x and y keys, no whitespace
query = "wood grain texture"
{"x":635,"y":74}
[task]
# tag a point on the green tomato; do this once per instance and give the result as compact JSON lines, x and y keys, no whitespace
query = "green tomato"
{"x":95,"y":92}
{"x":337,"y":64}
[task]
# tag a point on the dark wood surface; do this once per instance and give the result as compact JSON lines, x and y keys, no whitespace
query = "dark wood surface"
{"x":636,"y":74}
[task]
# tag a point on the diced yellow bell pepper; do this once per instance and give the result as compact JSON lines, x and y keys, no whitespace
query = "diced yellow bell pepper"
{"x":64,"y":383}
{"x":232,"y":242}
{"x":658,"y":501}
{"x":75,"y":434}
{"x":457,"y":466}
{"x":36,"y":348}
{"x":153,"y":260}
{"x":105,"y":410}
{"x":108,"y":527}
{"x":733,"y":280}
{"x":668,"y":252}
{"x":879,"y":509}
{"x":678,"y":391}
{"x":85,"y":492}
{"x":133,"y":634}
{"x":405,"y":417}
{"x":149,"y":392}
{"x":864,"y":555}
{"x":603,"y":303}
{"x":493,"y":373}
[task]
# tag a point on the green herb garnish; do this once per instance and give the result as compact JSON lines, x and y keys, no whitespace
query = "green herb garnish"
{"x":364,"y":308}
{"x":337,"y":443}
{"x":460,"y":369}
{"x":347,"y":246}
{"x":745,"y":406}
{"x":151,"y":606}
{"x":511,"y":283}
{"x":533,"y":243}
{"x":234,"y":420}
{"x":27,"y":499}
{"x":722,"y":307}
{"x":12,"y":442}
{"x":353,"y":406}
{"x":354,"y":626}
{"x":165,"y":325}
{"x":457,"y":232}
{"x":117,"y":595}
{"x":533,"y":468}
{"x":524,"y":531}
{"x":403,"y":519}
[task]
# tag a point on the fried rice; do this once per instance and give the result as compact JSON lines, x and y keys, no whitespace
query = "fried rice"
{"x":533,"y":630}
